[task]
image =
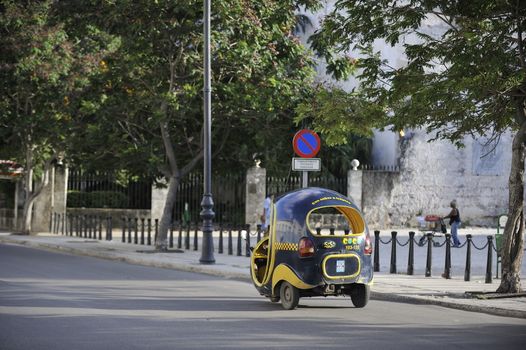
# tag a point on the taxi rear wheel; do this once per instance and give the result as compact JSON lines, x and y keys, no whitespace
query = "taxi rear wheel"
{"x":360,"y":295}
{"x":289,"y":295}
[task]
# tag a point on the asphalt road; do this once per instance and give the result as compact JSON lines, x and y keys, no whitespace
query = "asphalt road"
{"x":57,"y":301}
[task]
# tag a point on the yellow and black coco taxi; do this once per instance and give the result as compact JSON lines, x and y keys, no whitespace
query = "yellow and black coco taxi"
{"x":318,"y":244}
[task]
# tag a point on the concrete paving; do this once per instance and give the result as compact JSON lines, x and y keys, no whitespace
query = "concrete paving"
{"x":453,"y":293}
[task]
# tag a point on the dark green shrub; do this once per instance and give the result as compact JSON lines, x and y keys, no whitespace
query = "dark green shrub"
{"x":97,"y":199}
{"x":107,"y":199}
{"x":77,"y":199}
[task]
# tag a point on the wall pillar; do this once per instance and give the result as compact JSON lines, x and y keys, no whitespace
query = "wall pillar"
{"x":51,"y":200}
{"x":158,"y":200}
{"x":255,"y":195}
{"x":355,"y":186}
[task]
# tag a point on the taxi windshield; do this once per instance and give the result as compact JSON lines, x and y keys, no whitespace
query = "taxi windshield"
{"x":336,"y":221}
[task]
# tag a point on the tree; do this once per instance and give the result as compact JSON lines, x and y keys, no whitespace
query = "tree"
{"x":468,"y":78}
{"x":149,"y":102}
{"x":41,"y":72}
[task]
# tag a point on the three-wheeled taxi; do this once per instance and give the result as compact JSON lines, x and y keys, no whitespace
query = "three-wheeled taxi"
{"x":318,"y":244}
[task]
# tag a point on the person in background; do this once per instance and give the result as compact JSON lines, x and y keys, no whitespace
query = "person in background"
{"x":454,"y":221}
{"x":265,"y":217}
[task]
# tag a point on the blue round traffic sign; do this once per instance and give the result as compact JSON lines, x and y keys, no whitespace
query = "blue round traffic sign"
{"x":306,"y":143}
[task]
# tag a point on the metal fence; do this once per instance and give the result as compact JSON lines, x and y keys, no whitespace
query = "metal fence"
{"x":279,"y":185}
{"x":228,"y":193}
{"x":107,"y":190}
{"x":8,"y":220}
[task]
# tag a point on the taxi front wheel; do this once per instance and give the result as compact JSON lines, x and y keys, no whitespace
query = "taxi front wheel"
{"x":360,"y":295}
{"x":289,"y":295}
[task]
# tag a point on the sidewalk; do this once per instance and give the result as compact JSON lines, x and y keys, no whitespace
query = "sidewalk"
{"x":391,"y":287}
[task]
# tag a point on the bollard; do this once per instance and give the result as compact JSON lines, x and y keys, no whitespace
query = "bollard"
{"x":331,"y":230}
{"x":220,"y":245}
{"x":136,"y":231}
{"x":100,"y":228}
{"x":85,"y":225}
{"x":376,"y":251}
{"x":239,"y":243}
{"x":149,"y":231}
{"x":467,"y":271}
{"x":142,"y":230}
{"x":318,"y":231}
{"x":230,"y":245}
{"x":93,"y":226}
{"x":123,"y":230}
{"x":83,"y":233}
{"x":195,"y":236}
{"x":346,"y":231}
{"x":447,"y":263}
{"x":88,"y":226}
{"x":393,"y":252}
{"x":429,"y":254}
{"x":64,"y":222}
{"x":187,"y":237}
{"x":411,"y":256}
{"x":171,"y":243}
{"x":180,"y":236}
{"x":247,"y":249}
{"x":108,"y":229}
{"x":129,"y":230}
{"x":52,"y":223}
{"x":156,"y":230}
{"x":489,"y":267}
{"x":259,"y":232}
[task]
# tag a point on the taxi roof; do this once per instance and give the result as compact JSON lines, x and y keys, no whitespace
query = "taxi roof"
{"x":297,"y":204}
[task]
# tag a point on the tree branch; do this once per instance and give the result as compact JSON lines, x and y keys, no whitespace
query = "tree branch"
{"x":520,"y":46}
{"x":444,"y":19}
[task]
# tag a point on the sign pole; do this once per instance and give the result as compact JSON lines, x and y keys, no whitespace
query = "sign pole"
{"x":304,"y":179}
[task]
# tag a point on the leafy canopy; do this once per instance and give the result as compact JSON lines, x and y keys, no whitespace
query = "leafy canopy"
{"x":463,"y":71}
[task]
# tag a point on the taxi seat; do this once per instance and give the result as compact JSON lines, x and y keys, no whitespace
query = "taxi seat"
{"x":261,"y":259}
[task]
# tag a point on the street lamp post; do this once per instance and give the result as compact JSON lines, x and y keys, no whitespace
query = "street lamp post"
{"x":207,"y":203}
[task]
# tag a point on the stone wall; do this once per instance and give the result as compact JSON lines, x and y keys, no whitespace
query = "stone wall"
{"x":433,"y":174}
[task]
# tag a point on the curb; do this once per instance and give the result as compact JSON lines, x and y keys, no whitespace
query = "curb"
{"x":382,"y":296}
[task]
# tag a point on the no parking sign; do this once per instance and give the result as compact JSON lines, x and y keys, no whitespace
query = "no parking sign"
{"x":306,"y":143}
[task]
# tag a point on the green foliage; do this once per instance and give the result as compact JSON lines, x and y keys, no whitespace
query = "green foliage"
{"x":326,"y":107}
{"x":97,"y":199}
{"x":260,"y":73}
{"x":42,"y":72}
{"x":462,"y":76}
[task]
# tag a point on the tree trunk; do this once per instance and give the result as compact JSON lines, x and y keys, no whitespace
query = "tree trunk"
{"x":28,"y":200}
{"x":28,"y":216}
{"x":161,"y":243}
{"x":513,"y":245}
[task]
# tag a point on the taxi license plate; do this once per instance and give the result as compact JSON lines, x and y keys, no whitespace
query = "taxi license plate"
{"x":340,"y":266}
